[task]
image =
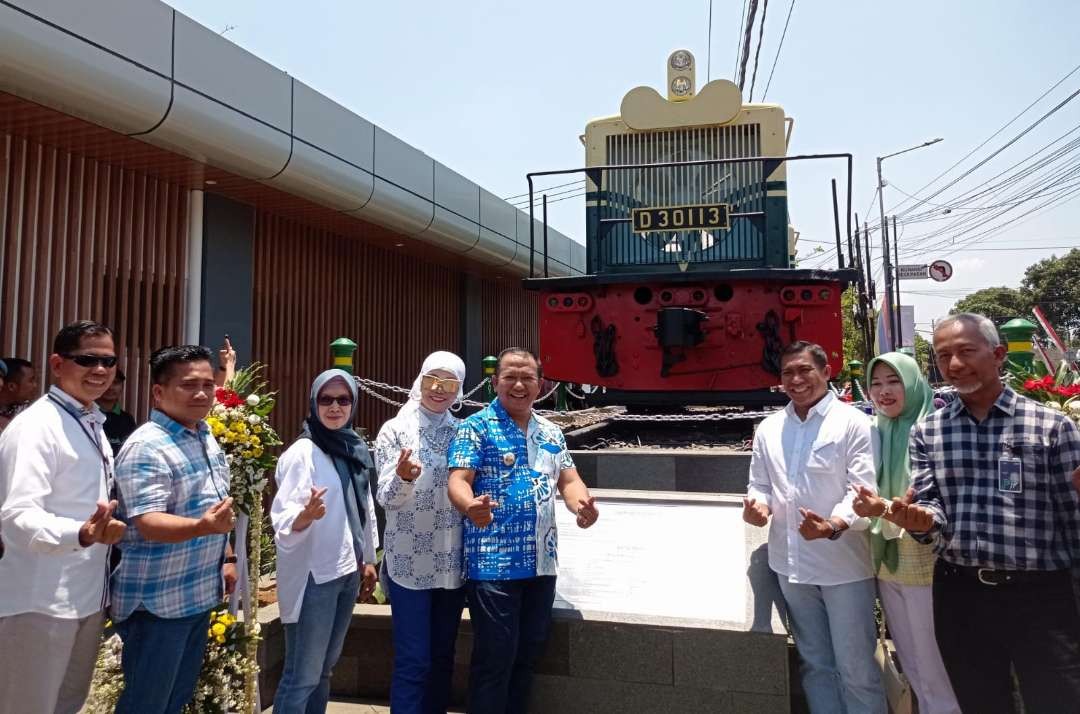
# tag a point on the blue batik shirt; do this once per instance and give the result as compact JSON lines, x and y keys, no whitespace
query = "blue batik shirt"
{"x":520,"y":472}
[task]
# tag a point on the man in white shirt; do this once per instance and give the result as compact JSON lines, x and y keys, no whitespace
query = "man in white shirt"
{"x":55,"y":473}
{"x":806,"y":460}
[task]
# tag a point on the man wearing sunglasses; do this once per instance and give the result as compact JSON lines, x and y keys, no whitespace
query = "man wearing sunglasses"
{"x":56,"y":516}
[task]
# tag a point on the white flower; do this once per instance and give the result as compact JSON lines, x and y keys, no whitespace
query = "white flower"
{"x":254,"y":418}
{"x":1054,"y":405}
{"x":219,"y":410}
{"x":252,"y":400}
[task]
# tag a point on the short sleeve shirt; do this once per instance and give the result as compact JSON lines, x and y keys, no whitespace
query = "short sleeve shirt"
{"x":165,"y":467}
{"x":520,"y":472}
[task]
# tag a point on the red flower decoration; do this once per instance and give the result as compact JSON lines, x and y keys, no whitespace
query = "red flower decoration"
{"x":1030,"y":384}
{"x":228,"y":398}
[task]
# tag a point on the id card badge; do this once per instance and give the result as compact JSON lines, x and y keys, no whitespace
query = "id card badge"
{"x":1010,"y":475}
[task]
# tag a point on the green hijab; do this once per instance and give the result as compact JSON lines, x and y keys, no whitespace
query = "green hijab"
{"x":894,"y":469}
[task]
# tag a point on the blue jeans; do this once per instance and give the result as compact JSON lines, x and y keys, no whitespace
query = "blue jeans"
{"x":313,"y":644}
{"x":425,"y":631}
{"x":161,"y":659}
{"x":510,"y":622}
{"x":834,"y":631}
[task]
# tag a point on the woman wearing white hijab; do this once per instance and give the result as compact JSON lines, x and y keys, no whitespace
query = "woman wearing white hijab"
{"x":422,"y":560}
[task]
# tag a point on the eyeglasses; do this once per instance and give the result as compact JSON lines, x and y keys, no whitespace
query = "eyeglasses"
{"x":108,"y":362}
{"x":342,"y":401}
{"x":448,"y":384}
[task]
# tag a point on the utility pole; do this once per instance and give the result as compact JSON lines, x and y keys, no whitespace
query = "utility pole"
{"x":896,"y":267}
{"x":887,"y":292}
{"x":885,"y":225}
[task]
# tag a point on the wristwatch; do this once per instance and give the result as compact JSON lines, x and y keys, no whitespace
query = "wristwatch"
{"x":835,"y":531}
{"x":233,"y":559}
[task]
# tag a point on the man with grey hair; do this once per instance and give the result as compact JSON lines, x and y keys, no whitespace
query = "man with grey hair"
{"x":991,"y":488}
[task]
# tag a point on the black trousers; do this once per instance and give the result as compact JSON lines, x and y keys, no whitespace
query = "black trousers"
{"x":982,"y":629}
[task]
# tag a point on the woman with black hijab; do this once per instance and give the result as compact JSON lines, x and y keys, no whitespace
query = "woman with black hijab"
{"x":326,"y":536}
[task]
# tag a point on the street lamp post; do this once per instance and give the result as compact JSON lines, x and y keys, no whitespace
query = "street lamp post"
{"x":885,"y":236}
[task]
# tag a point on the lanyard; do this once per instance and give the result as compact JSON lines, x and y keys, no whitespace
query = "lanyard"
{"x":105,"y":465}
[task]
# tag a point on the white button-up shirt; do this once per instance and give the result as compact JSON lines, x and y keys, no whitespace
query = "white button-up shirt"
{"x":51,"y":478}
{"x":813,"y":464}
{"x":325,"y":548}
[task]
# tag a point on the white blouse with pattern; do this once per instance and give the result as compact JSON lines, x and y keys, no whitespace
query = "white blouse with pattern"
{"x":423,"y":530}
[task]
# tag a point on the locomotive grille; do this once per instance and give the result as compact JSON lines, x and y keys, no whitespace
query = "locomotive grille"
{"x":738,"y":184}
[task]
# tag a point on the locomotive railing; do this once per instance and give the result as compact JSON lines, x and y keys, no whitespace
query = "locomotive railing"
{"x":746,"y":245}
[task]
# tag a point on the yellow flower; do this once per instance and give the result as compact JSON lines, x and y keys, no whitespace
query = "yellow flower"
{"x":220,"y":639}
{"x":227,"y":618}
{"x":254,"y":441}
{"x":218,"y":629}
{"x":257,"y":452}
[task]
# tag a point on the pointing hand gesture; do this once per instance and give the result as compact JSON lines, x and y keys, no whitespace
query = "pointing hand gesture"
{"x":407,"y":469}
{"x":586,"y":512}
{"x":754,"y":513}
{"x":101,"y":527}
{"x":479,"y":511}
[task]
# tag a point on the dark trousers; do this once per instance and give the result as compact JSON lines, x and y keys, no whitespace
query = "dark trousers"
{"x":425,"y":632}
{"x":161,"y":659}
{"x":510,"y":622}
{"x":983,"y":629}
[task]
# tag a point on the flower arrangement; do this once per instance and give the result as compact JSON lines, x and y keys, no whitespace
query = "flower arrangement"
{"x":1059,"y":391}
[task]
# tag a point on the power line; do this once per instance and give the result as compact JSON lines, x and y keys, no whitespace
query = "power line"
{"x":526,"y":194}
{"x":778,"y":48}
{"x":708,"y":64}
{"x":747,"y":35}
{"x":738,"y":41}
{"x":989,"y":138}
{"x":757,"y":53}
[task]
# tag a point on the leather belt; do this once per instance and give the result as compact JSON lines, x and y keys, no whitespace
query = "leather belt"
{"x":994,"y":577}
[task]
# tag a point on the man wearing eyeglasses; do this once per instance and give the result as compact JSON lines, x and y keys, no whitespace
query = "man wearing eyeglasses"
{"x":56,"y":516}
{"x":505,"y":464}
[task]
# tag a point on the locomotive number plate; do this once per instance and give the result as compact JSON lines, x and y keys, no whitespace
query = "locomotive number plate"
{"x":681,"y":218}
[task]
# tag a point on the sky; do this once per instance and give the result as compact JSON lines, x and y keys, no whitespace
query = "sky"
{"x":497,"y":89}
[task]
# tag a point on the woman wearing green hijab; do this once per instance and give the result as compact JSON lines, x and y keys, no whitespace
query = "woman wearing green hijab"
{"x":904,"y":567}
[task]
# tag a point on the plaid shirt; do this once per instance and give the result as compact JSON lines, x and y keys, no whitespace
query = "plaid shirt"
{"x":954,"y":466}
{"x":167,"y":468}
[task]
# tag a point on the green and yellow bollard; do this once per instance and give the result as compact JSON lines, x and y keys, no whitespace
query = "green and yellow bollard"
{"x":1018,"y":334}
{"x":343,"y":350}
{"x":855,"y":368}
{"x":489,"y":363}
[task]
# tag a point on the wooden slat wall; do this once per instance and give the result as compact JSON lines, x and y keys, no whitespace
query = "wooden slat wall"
{"x":80,"y":239}
{"x":312,"y":286}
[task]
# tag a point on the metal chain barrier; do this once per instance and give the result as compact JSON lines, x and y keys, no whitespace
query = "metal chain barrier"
{"x":714,"y":416}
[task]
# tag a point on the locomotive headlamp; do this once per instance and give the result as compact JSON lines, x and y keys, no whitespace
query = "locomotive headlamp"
{"x":681,"y":86}
{"x":681,"y":60}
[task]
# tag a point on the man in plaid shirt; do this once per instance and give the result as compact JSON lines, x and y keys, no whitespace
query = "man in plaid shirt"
{"x":173,"y":484}
{"x":992,"y":489}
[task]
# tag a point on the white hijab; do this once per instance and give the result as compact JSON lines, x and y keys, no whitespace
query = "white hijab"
{"x":436,"y":360}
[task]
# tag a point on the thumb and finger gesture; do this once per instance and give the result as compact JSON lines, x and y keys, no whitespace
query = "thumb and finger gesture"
{"x":866,"y":503}
{"x":813,"y":526}
{"x":754,"y":513}
{"x":316,"y":507}
{"x":479,"y":511}
{"x":407,"y":469}
{"x":101,"y":527}
{"x":587,"y":512}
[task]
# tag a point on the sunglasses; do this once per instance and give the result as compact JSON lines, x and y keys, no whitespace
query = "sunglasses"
{"x":92,"y":360}
{"x":430,"y":381}
{"x":342,"y":401}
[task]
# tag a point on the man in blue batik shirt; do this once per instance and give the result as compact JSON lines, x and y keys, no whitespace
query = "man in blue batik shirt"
{"x":505,"y":464}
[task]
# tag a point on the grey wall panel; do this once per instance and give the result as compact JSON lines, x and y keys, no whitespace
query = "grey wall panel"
{"x":53,"y":68}
{"x":144,"y":35}
{"x":497,"y":215}
{"x":404,"y":177}
{"x":215,"y":134}
{"x":322,"y":178}
{"x":577,"y":257}
{"x":212,"y":65}
{"x":228,"y":274}
{"x":457,"y":211}
{"x":492,"y":249}
{"x":322,"y":122}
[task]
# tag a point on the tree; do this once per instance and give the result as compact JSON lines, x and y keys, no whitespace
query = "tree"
{"x":1054,"y":285}
{"x":853,"y":337}
{"x":998,"y":304}
{"x":922,"y":352}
